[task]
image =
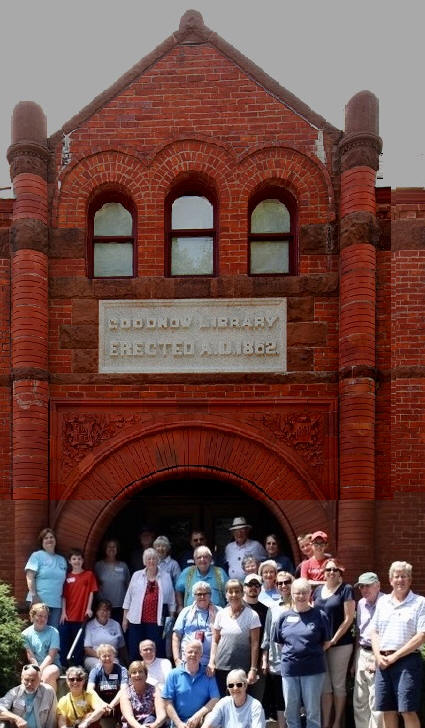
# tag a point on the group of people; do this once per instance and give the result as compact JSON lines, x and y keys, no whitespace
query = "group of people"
{"x":271,"y":640}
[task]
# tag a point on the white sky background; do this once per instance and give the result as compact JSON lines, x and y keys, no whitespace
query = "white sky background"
{"x":62,"y":53}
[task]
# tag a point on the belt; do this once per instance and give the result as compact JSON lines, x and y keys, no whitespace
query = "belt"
{"x":385,"y":653}
{"x":366,"y":647}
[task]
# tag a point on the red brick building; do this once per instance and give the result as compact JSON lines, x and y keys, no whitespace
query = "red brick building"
{"x":208,"y":309}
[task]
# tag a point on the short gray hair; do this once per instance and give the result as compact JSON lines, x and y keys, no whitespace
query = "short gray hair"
{"x":105,"y":647}
{"x":148,"y":553}
{"x":164,"y":540}
{"x":201,"y":548}
{"x":269,"y":564}
{"x":201,"y":585}
{"x":301,"y":583}
{"x":400,"y":566}
{"x":196,"y":643}
{"x":249,"y":557}
{"x":237,"y":675}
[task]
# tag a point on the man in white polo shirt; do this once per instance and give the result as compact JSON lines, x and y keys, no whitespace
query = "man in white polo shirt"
{"x":397,"y":633}
{"x":240,"y":547}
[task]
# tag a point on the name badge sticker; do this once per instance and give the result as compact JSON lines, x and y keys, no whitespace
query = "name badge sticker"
{"x":293,"y":620}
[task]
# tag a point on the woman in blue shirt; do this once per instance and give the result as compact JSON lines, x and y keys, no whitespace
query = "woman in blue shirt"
{"x":45,"y":572}
{"x":303,"y":632}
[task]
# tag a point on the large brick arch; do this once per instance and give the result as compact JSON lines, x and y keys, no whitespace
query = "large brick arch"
{"x":101,"y":485}
{"x":305,"y":177}
{"x":185,"y":156}
{"x":104,"y":167}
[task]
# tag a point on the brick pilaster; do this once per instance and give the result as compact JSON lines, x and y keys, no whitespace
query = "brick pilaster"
{"x":359,"y":151}
{"x":29,"y":303}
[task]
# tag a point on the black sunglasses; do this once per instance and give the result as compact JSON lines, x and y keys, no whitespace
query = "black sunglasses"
{"x":75,"y":679}
{"x":235,"y":685}
{"x":286,"y":582}
{"x":31,"y":667}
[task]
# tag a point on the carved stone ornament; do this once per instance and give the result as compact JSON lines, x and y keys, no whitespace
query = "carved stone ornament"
{"x":361,"y":149}
{"x":82,"y":433}
{"x":28,"y":157}
{"x":302,"y":432}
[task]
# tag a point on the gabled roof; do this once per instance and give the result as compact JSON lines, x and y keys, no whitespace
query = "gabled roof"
{"x":193,"y":31}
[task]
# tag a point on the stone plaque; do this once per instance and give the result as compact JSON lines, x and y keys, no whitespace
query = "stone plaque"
{"x":193,"y":335}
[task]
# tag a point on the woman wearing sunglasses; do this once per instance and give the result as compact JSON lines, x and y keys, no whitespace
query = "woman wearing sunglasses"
{"x":336,"y":599}
{"x":271,"y":650}
{"x":79,"y":707}
{"x":238,"y":708}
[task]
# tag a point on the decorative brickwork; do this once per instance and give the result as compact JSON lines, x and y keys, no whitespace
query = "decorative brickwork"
{"x":336,"y":441}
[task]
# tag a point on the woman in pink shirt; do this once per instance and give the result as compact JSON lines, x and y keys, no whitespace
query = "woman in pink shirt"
{"x":313,"y":568}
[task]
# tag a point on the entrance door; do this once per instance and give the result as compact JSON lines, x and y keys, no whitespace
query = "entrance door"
{"x":179,"y":506}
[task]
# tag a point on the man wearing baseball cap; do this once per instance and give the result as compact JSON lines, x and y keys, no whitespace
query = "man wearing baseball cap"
{"x":240,"y":547}
{"x":364,"y":681}
{"x":251,"y":590}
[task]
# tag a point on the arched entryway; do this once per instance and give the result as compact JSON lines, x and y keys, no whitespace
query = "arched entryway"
{"x":178,"y":506}
{"x":189,"y":455}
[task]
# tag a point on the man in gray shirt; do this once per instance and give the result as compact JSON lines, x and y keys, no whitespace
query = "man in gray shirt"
{"x":32,"y":704}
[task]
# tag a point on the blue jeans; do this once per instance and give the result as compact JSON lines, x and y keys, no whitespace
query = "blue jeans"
{"x":303,"y":690}
{"x":54,"y":616}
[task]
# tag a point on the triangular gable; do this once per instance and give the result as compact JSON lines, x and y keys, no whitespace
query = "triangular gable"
{"x":192,"y":31}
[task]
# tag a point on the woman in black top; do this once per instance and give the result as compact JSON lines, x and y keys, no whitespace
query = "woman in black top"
{"x":336,"y":599}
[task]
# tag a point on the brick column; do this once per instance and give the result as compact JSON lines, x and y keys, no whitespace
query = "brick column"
{"x":359,"y":153}
{"x":28,"y":156}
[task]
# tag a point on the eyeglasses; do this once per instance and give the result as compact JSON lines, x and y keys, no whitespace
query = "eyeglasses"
{"x":76,"y":679}
{"x":285,"y":582}
{"x":202,"y":594}
{"x":31,"y":667}
{"x":235,"y":685}
{"x":331,"y":568}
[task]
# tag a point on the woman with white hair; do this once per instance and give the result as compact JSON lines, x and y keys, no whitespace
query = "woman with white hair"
{"x":238,"y":709}
{"x":269,"y":594}
{"x":304,"y":633}
{"x":149,"y":599}
{"x":195,"y":622}
{"x":162,"y":546}
{"x":106,"y":679}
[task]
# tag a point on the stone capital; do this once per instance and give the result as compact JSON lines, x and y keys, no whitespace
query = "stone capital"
{"x":360,"y":149}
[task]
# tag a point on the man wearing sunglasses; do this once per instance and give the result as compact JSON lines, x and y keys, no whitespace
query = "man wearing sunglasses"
{"x":32,"y":704}
{"x":238,"y":708}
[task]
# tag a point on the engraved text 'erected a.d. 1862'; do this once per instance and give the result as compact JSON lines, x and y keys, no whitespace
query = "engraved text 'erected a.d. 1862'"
{"x":193,"y":335}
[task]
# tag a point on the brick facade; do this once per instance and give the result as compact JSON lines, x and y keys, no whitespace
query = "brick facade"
{"x":337,"y":441}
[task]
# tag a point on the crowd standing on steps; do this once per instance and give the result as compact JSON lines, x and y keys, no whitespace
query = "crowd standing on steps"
{"x":272,"y":641}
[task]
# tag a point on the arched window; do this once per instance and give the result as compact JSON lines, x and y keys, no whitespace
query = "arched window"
{"x":271,"y":233}
{"x":111,"y":237}
{"x":191,"y":231}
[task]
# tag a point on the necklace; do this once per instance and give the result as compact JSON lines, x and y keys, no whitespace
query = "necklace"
{"x":236,"y":614}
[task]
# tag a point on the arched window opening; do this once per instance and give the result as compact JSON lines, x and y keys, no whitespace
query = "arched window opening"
{"x":191,"y":227}
{"x":111,"y":237}
{"x":271,"y":233}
